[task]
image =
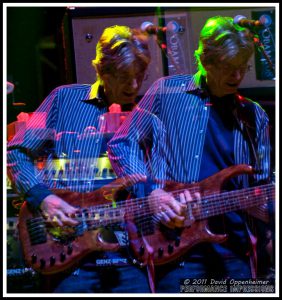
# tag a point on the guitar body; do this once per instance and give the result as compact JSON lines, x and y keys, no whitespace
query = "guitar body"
{"x":50,"y":250}
{"x":164,"y":244}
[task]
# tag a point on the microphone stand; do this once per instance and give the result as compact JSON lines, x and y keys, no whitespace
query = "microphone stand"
{"x":261,"y":49}
{"x":166,"y":53}
{"x":161,"y":41}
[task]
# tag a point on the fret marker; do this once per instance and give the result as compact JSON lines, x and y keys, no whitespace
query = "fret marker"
{"x":258,"y":192}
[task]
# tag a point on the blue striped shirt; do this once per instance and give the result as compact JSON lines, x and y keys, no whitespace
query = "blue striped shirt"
{"x":63,"y":144}
{"x":164,"y":139}
{"x":164,"y":135}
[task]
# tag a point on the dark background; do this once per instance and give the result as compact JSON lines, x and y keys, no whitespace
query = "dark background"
{"x":34,"y":56}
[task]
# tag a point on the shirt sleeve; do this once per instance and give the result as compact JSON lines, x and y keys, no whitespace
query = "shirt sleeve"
{"x":36,"y":195}
{"x":28,"y":144}
{"x":262,"y":148}
{"x":263,"y":145}
{"x":137,"y":146}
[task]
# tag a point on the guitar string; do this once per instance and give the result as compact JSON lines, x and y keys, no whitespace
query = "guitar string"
{"x":145,"y":226}
{"x":206,"y":201}
{"x":211,"y":204}
{"x":213,"y":201}
{"x":124,"y":203}
{"x":223,"y":202}
{"x":132,"y":203}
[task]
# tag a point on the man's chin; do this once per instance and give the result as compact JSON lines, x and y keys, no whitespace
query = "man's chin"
{"x":231,"y":89}
{"x":232,"y":86}
{"x":128,"y":99}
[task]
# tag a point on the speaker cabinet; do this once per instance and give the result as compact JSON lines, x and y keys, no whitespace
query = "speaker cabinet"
{"x":84,"y":33}
{"x":84,"y":26}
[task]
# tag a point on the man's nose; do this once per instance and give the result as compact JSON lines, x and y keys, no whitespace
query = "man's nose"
{"x":133,"y":83}
{"x":237,"y":74}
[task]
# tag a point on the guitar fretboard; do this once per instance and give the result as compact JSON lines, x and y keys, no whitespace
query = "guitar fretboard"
{"x":213,"y":205}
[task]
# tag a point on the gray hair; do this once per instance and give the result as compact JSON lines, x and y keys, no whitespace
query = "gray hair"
{"x":118,"y":48}
{"x":221,"y":39}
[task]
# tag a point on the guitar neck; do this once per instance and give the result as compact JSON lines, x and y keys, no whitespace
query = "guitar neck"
{"x":211,"y":205}
{"x":225,"y":202}
{"x":101,"y":215}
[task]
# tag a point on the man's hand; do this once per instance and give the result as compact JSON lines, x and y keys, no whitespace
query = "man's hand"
{"x":171,"y":212}
{"x":58,"y":212}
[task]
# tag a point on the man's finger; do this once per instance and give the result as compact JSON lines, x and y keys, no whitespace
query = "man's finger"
{"x":188,"y":196}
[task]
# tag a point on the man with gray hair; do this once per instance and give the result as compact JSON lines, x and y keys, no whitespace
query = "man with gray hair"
{"x":63,"y":147}
{"x":186,"y":129}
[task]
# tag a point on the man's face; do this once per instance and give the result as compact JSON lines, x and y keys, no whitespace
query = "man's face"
{"x":225,"y":77}
{"x":123,"y":86}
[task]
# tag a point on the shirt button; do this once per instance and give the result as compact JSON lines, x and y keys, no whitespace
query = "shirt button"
{"x":197,"y":156}
{"x":201,"y":131}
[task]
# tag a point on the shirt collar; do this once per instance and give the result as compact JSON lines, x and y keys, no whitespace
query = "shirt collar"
{"x":197,"y":86}
{"x":97,"y":96}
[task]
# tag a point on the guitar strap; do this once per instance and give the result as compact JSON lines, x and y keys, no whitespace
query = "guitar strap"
{"x":151,"y":273}
{"x":244,"y":112}
{"x":140,"y":192}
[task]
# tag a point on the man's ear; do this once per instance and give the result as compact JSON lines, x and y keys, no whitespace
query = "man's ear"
{"x":206,"y":66}
{"x":105,"y":77}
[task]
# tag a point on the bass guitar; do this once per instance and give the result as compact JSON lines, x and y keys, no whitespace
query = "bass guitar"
{"x":50,"y":250}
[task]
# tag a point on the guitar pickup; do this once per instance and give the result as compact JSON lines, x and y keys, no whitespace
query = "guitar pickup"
{"x":36,"y":230}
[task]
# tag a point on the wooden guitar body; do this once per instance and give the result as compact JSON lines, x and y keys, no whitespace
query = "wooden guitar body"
{"x":50,"y":249}
{"x":163,"y":244}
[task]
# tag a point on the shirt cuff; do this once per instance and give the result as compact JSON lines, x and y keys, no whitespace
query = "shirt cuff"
{"x":37,"y":194}
{"x":143,"y":189}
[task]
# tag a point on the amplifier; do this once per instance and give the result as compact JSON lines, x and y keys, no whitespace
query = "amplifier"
{"x":14,"y":252}
{"x":82,"y":28}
